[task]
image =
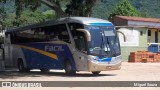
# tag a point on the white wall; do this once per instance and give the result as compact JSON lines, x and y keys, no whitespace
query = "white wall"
{"x":132,"y":37}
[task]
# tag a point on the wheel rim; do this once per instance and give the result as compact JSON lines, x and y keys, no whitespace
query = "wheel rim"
{"x":68,"y":67}
{"x":20,"y":67}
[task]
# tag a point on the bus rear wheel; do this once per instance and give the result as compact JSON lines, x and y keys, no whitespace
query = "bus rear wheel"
{"x":69,"y":68}
{"x":21,"y":67}
{"x":96,"y":72}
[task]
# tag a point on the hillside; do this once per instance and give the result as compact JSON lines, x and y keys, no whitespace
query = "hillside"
{"x":147,"y":8}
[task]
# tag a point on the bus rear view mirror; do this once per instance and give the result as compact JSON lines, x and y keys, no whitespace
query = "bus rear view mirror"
{"x":123,"y":35}
{"x":87,"y":34}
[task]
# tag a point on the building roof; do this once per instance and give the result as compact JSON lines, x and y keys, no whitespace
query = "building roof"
{"x":130,"y":18}
{"x":136,"y":21}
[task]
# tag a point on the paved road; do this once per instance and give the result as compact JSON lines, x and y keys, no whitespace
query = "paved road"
{"x":129,"y":72}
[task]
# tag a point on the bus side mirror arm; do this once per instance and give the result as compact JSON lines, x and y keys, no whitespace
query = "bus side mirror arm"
{"x":123,"y":35}
{"x":88,"y":36}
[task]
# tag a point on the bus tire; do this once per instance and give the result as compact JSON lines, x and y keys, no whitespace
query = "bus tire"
{"x":96,"y":72}
{"x":69,"y":68}
{"x":44,"y":70}
{"x":21,"y":67}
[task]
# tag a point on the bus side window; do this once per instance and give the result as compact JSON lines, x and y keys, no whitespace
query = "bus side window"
{"x":64,"y":36}
{"x":10,"y":38}
{"x":63,"y":33}
{"x":7,"y":40}
{"x":80,"y":42}
{"x":57,"y":31}
{"x":54,"y":37}
{"x":14,"y":38}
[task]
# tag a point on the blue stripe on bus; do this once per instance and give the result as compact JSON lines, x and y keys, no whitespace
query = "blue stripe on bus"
{"x":101,"y":24}
{"x":108,"y":59}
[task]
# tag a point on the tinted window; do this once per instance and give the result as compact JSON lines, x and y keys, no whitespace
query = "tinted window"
{"x":49,"y":33}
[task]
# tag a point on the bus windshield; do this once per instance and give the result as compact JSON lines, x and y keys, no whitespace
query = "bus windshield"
{"x":104,"y":41}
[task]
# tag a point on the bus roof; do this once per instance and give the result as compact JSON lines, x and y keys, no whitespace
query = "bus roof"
{"x":82,"y":20}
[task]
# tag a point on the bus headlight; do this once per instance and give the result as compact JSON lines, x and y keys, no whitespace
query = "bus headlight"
{"x":93,"y":59}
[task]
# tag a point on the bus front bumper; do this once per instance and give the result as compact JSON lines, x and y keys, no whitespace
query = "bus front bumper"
{"x":92,"y":66}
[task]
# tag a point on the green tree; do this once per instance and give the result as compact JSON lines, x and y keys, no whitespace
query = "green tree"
{"x":80,"y":7}
{"x":49,"y":15}
{"x":2,"y":15}
{"x":29,"y":17}
{"x":124,"y":8}
{"x":75,"y":7}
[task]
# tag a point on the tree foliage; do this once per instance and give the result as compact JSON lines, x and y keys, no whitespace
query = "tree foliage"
{"x":101,"y":9}
{"x":75,"y":7}
{"x":2,"y":14}
{"x":21,"y":5}
{"x":28,"y":17}
{"x":124,"y":8}
{"x":80,"y":7}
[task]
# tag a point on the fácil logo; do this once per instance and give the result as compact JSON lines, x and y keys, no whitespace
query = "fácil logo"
{"x":53,"y":48}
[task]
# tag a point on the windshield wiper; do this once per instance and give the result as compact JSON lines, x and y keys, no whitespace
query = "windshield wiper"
{"x":108,"y":52}
{"x":114,"y":51}
{"x":102,"y":44}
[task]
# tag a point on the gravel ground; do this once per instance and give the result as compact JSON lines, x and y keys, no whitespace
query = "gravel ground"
{"x":129,"y":72}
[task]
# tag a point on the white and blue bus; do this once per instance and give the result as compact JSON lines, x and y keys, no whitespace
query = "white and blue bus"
{"x":72,"y":43}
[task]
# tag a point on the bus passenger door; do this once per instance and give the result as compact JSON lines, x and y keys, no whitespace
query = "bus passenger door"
{"x":80,"y":53}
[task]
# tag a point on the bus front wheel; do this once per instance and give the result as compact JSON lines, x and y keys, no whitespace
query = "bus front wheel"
{"x":69,"y":68}
{"x":96,"y":72}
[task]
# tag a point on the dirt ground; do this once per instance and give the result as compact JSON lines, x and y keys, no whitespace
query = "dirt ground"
{"x":128,"y":72}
